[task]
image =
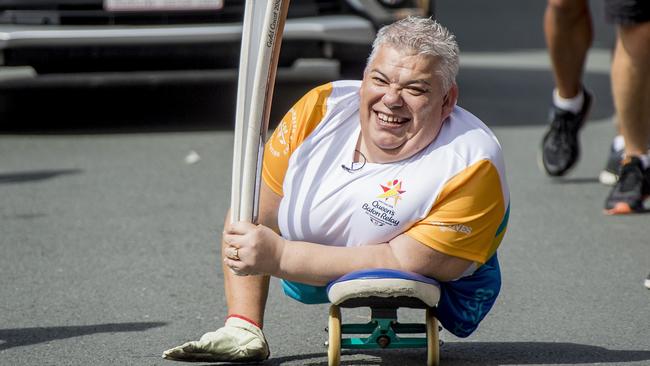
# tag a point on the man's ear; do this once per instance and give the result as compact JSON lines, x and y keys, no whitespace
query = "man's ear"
{"x":449,"y":101}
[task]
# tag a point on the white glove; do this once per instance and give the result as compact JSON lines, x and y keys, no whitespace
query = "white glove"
{"x":237,"y":340}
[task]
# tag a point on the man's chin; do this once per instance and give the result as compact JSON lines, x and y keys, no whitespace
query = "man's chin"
{"x":389,"y":141}
{"x":390,"y":148}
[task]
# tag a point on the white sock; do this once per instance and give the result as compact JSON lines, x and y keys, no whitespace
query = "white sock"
{"x":569,"y":104}
{"x":619,"y":143}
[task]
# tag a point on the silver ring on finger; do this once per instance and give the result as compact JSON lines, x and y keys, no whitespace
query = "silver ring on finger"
{"x":235,"y":254}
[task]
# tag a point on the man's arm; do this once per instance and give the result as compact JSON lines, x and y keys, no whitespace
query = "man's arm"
{"x":485,"y":215}
{"x":261,"y":250}
{"x":268,"y":209}
{"x":320,"y":264}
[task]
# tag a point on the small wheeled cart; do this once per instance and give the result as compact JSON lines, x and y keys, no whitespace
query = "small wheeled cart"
{"x":383,"y":291}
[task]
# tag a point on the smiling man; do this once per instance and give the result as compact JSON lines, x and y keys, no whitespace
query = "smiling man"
{"x":387,"y":172}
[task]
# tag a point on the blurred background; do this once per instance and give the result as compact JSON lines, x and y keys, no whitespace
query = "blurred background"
{"x":112,"y":63}
{"x":116,"y":124}
{"x":135,"y":63}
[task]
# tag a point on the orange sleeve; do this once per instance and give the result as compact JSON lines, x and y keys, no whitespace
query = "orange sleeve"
{"x":294,"y":128}
{"x":469,"y":218}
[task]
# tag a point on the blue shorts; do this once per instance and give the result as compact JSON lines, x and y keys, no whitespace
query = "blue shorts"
{"x":463,"y":303}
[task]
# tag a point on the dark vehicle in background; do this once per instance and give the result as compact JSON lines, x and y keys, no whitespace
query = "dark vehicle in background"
{"x":130,"y":40}
{"x":161,"y":65}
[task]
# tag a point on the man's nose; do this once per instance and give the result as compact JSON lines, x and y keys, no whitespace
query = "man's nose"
{"x":392,"y":98}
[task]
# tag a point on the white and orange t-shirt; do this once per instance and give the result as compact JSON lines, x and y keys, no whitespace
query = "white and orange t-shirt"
{"x":452,"y":196}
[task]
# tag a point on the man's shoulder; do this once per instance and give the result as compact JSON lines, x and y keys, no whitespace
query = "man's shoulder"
{"x":465,"y":125}
{"x":345,"y":90}
{"x":334,"y":92}
{"x":468,"y":136}
{"x":347,"y":85}
{"x":465,"y":119}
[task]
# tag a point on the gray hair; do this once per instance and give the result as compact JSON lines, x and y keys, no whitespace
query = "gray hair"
{"x":422,"y":36}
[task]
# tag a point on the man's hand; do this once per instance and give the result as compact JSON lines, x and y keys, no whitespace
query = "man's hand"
{"x":252,"y":249}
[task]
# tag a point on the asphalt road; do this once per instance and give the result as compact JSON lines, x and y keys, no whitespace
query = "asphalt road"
{"x":108,"y":233}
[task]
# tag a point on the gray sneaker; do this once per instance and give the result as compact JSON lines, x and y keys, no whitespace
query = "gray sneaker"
{"x":631,"y":190}
{"x":560,"y":146}
{"x":609,"y":175}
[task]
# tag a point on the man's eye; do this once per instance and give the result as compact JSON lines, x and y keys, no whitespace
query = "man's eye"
{"x":379,"y":80}
{"x":416,"y":91}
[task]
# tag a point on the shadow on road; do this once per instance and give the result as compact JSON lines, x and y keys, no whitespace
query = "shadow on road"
{"x":37,"y":175}
{"x":28,"y":336}
{"x":480,"y":353}
{"x":574,"y":180}
{"x":190,"y":106}
{"x":499,"y":97}
{"x":526,"y":353}
{"x":521,"y":97}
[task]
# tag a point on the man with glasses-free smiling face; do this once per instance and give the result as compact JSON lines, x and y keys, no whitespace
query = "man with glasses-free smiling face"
{"x":387,"y":172}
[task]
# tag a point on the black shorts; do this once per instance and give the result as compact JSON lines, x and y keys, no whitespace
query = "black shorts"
{"x":627,"y":12}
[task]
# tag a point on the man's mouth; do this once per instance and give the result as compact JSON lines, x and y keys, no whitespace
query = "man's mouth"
{"x":389,"y":120}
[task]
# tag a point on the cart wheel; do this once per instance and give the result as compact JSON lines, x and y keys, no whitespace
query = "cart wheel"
{"x":433,"y":345}
{"x":334,"y":341}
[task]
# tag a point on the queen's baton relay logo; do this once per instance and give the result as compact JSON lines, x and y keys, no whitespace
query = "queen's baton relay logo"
{"x":381,"y":211}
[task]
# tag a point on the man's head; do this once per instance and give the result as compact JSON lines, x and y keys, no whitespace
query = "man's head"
{"x":422,"y":36}
{"x":408,"y":88}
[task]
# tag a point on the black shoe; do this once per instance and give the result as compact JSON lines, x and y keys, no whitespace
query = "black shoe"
{"x":609,"y":175}
{"x":560,"y":146}
{"x":630,"y":191}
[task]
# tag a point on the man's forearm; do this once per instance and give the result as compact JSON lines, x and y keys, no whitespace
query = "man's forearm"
{"x":257,"y":249}
{"x":316,"y":264}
